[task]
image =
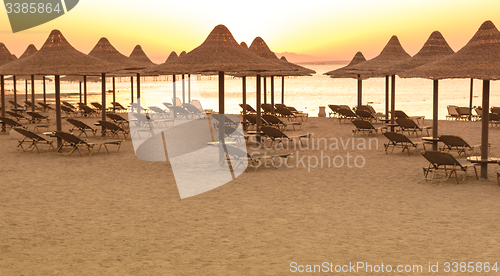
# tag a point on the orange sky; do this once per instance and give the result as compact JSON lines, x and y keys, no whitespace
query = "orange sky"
{"x":332,"y":30}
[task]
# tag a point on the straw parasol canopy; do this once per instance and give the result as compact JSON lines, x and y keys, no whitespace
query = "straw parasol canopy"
{"x":435,"y":48}
{"x":218,"y":53}
{"x":392,"y":53}
{"x":344,"y":72}
{"x":5,"y":55}
{"x":29,"y":51}
{"x":57,"y":57}
{"x":172,"y":57}
{"x":301,"y":71}
{"x":260,"y":48}
{"x":139,"y":56}
{"x":478,"y":59}
{"x":105,"y":51}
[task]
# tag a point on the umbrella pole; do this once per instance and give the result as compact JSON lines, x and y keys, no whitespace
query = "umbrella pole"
{"x":265,"y":89}
{"x":484,"y":129}
{"x":103,"y":98}
{"x":114,"y":95}
{"x":33,"y":93}
{"x":360,"y":93}
{"x":393,"y":100}
{"x":44,"y":91}
{"x":85,"y":90}
{"x":257,"y":127}
{"x":470,"y":98}
{"x":282,"y":89}
{"x":131,"y":89}
{"x":2,"y":88}
{"x":387,"y":97}
{"x":189,"y":88}
{"x":183,"y":91}
{"x":26,"y":89}
{"x":272,"y":95}
{"x":244,"y":88}
{"x":222,"y":125}
{"x":80,"y":90}
{"x":435,"y":98}
{"x":15,"y":91}
{"x":139,"y":92}
{"x":174,"y":99}
{"x":57,"y":83}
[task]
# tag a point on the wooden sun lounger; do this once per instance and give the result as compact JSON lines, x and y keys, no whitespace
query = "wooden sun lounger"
{"x":443,"y":162}
{"x":70,"y":140}
{"x":400,"y":140}
{"x":32,"y":138}
{"x":362,"y":126}
{"x":275,"y":134}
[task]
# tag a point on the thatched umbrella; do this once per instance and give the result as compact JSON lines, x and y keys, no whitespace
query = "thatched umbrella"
{"x":138,"y":56}
{"x":5,"y":58}
{"x":218,"y":53}
{"x":392,"y":53}
{"x":345,"y":72}
{"x":30,"y":50}
{"x":478,"y":59}
{"x":435,"y":48}
{"x":260,"y":48}
{"x":105,"y":51}
{"x":57,"y":57}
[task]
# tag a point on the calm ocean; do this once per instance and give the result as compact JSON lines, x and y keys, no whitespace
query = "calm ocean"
{"x":414,"y":96}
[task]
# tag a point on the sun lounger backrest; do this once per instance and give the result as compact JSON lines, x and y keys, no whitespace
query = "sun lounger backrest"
{"x":346,"y":112}
{"x":343,"y":106}
{"x":284,"y":111}
{"x":273,"y":132}
{"x":333,"y":107}
{"x":66,"y":109}
{"x":9,"y":121}
{"x":364,"y":113}
{"x":78,"y":123}
{"x":454,"y":141}
{"x":69,"y":137}
{"x":452,"y":110}
{"x":400,"y":114}
{"x":441,"y":158}
{"x":361,"y":124}
{"x":493,"y":117}
{"x":407,"y":123}
{"x":110,"y":125}
{"x":495,"y":109}
{"x":29,"y":134}
{"x":271,"y":119}
{"x":397,"y":137}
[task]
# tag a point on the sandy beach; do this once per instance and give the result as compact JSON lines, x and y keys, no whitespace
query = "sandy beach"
{"x":114,"y":214}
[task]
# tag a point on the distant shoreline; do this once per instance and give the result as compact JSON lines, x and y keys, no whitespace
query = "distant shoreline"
{"x":322,"y":62}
